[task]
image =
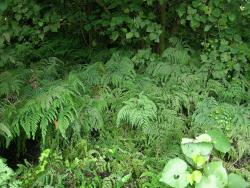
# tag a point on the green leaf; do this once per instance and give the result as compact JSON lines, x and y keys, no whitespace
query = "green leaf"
{"x":175,"y":173}
{"x":203,"y":138}
{"x":7,"y":36}
{"x":216,"y":169}
{"x":236,"y":181}
{"x":195,"y":177}
{"x":207,"y":182}
{"x":40,"y":23}
{"x":114,"y":36}
{"x":220,"y":141}
{"x":194,"y":148}
{"x":129,"y":35}
{"x":207,"y":28}
{"x":199,"y":160}
{"x":231,"y":17}
{"x":195,"y":24}
{"x":216,"y":12}
{"x":126,"y":178}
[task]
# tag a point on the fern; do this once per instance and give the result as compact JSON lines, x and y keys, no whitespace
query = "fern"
{"x":235,"y":91}
{"x":142,"y":59}
{"x":7,"y":176}
{"x":173,"y":63}
{"x":139,"y":112}
{"x":90,"y":114}
{"x":169,"y":126}
{"x":50,"y":105}
{"x":47,"y":69}
{"x":11,"y":82}
{"x":119,"y":71}
{"x":93,"y":74}
{"x":176,"y":55}
{"x":6,"y":133}
{"x":231,"y":118}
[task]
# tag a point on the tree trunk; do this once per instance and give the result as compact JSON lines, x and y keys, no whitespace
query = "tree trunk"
{"x":162,"y":10}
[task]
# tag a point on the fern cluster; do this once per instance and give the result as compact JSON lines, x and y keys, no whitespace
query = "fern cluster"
{"x":53,"y":105}
{"x":233,"y":119}
{"x":139,"y":112}
{"x":7,"y":176}
{"x":161,"y":97}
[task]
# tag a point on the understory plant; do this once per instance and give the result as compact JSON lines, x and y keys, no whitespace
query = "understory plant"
{"x":200,"y":168}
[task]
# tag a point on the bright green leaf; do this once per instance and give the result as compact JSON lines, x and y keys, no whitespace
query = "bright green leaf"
{"x":199,"y":160}
{"x":197,"y":149}
{"x":207,"y":182}
{"x":195,"y":177}
{"x":216,"y":169}
{"x":220,"y":141}
{"x":236,"y":181}
{"x":175,"y":173}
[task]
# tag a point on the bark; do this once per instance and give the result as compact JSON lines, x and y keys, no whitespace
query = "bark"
{"x":162,"y":10}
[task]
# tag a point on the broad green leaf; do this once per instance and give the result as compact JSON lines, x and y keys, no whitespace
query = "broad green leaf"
{"x":220,"y":141}
{"x":236,"y":181}
{"x":187,"y":140}
{"x":216,"y":168}
{"x":207,"y":182}
{"x":197,"y":149}
{"x":203,"y":138}
{"x":175,"y":173}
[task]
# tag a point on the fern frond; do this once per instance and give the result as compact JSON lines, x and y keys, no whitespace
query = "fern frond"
{"x":7,"y":176}
{"x":55,"y":103}
{"x":142,"y":59}
{"x":234,"y":91}
{"x":5,"y":131}
{"x":119,"y":71}
{"x":47,"y":68}
{"x":176,"y":56}
{"x":10,"y":82}
{"x":93,"y":74}
{"x":139,"y":112}
{"x":172,"y":65}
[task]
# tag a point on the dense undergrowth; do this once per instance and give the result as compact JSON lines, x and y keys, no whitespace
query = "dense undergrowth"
{"x":100,"y":94}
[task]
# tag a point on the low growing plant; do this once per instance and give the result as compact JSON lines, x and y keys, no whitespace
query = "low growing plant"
{"x":199,"y":169}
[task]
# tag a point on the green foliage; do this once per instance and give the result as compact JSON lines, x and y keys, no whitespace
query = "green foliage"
{"x":139,"y":112}
{"x":107,"y":90}
{"x":6,"y":133}
{"x":11,"y":83}
{"x":54,"y":104}
{"x":7,"y":176}
{"x":206,"y":173}
{"x":231,"y":118}
{"x":177,"y":176}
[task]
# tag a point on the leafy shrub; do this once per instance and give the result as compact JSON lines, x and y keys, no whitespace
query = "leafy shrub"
{"x":204,"y":172}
